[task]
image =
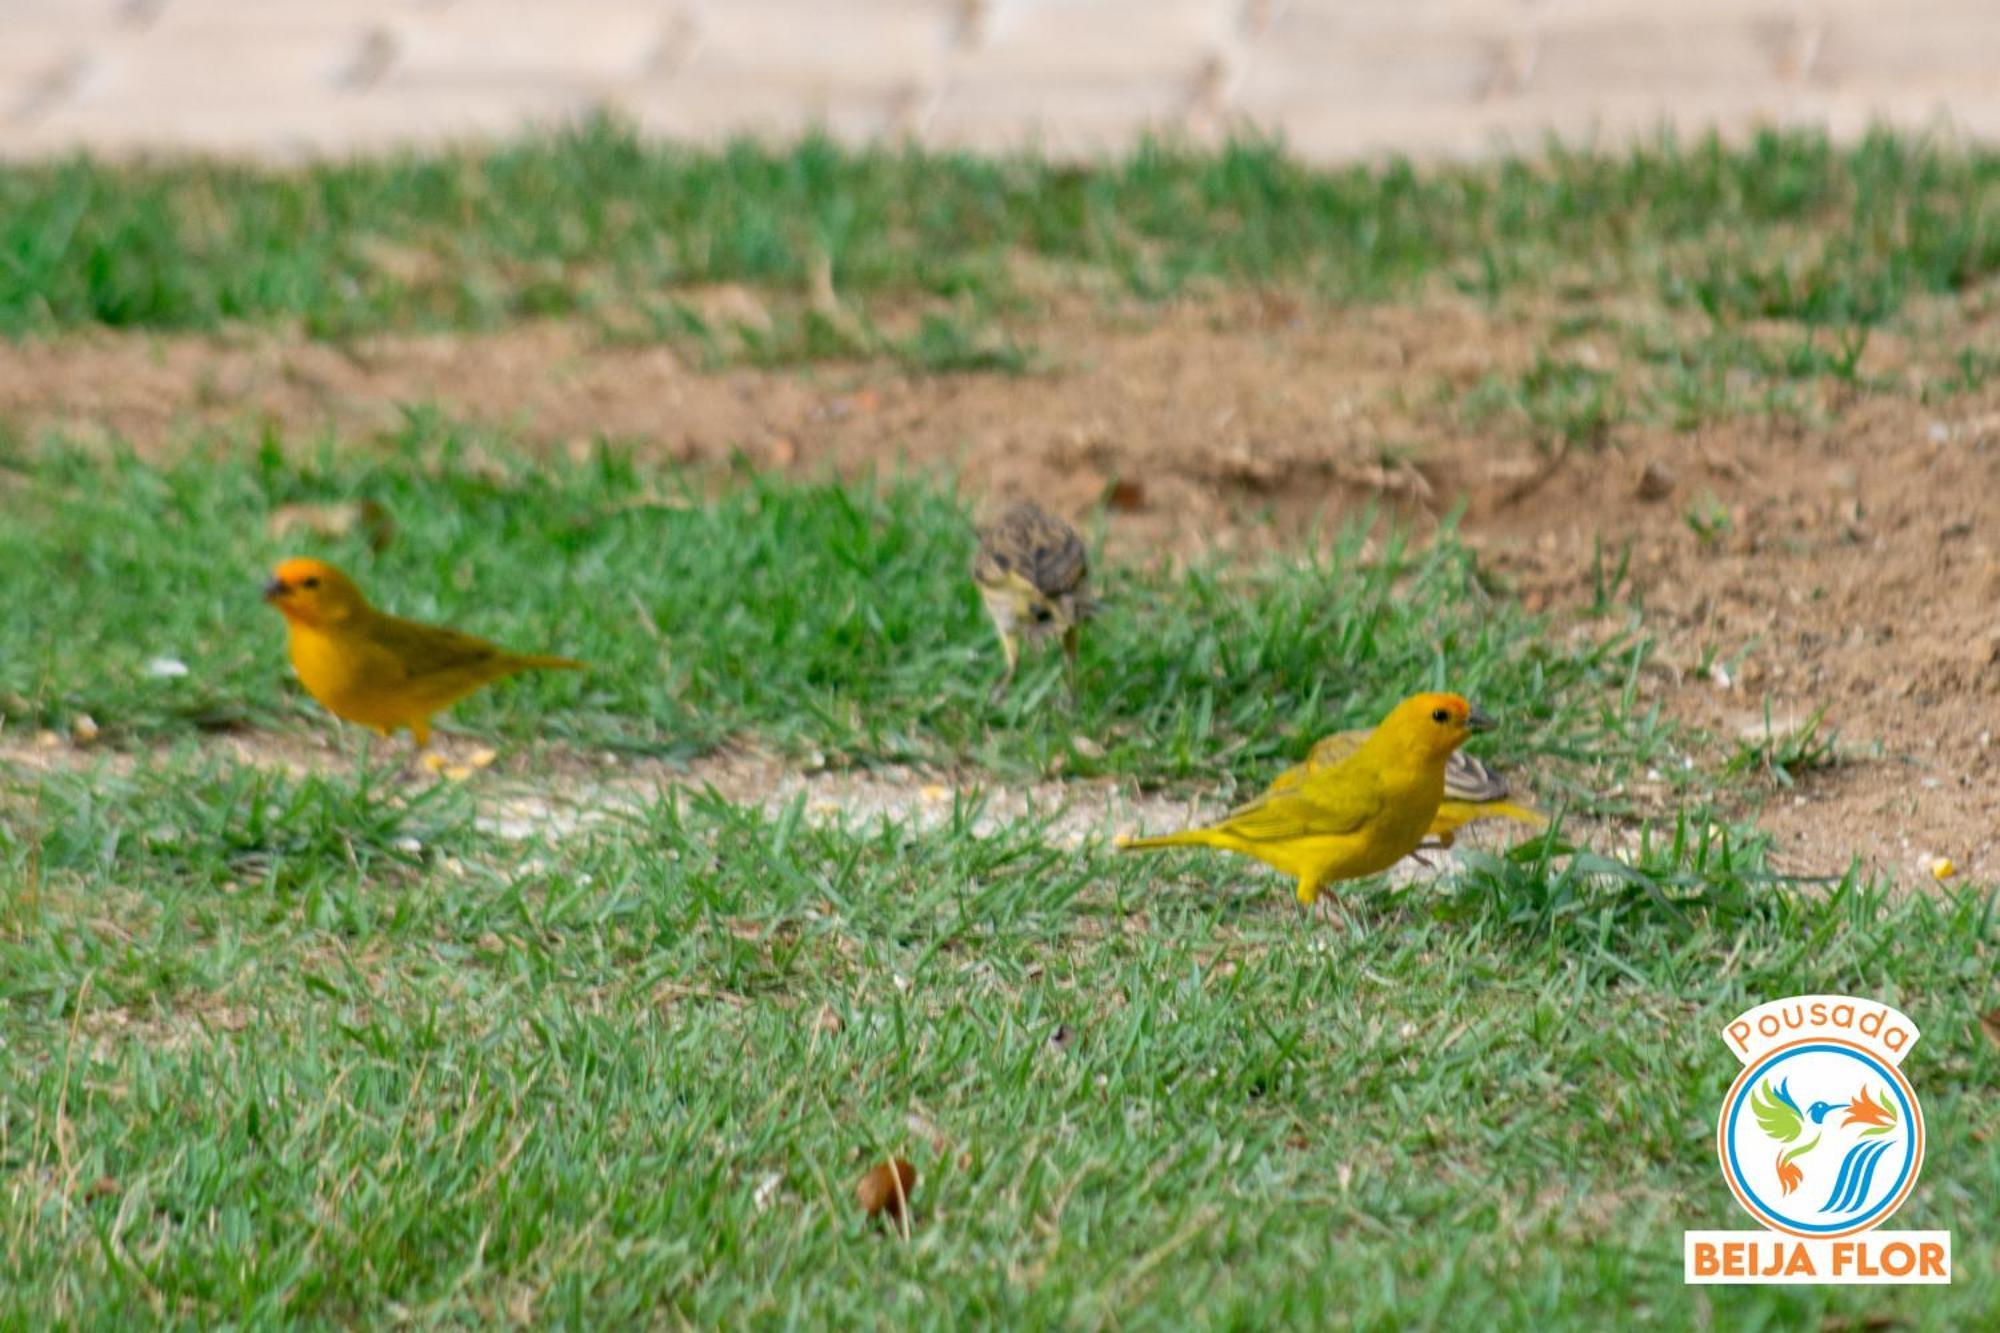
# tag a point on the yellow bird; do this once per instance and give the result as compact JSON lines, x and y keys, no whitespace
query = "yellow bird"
{"x":1472,"y":791}
{"x":1031,"y":568}
{"x":376,"y":669}
{"x":1356,"y":816}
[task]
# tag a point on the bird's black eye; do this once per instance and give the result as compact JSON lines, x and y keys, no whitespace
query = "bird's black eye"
{"x":1043,"y":615}
{"x":1439,"y":715}
{"x":313,"y":582}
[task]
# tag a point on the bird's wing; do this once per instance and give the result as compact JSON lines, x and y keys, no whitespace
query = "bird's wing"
{"x":1775,"y":1117}
{"x":429,"y":650}
{"x":1314,"y":807}
{"x":1467,"y":779}
{"x":1029,"y":541}
{"x":1288,"y":779}
{"x":991,"y":567}
{"x":1325,"y":753}
{"x":1330,"y":750}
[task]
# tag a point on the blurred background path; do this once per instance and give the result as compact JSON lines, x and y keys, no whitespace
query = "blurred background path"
{"x":1338,"y":78}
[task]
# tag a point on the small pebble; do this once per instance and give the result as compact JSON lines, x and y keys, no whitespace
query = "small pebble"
{"x":1656,"y":482}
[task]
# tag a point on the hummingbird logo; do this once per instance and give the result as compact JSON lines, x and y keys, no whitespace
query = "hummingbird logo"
{"x":1777,"y":1113}
{"x":1821,"y":1140}
{"x":1821,"y":1134}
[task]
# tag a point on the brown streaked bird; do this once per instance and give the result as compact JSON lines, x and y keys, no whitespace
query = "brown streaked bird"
{"x":376,"y":669}
{"x":1472,"y":790}
{"x":1031,"y":569}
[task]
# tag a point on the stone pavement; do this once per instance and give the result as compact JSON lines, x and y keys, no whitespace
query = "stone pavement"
{"x":1338,"y":78}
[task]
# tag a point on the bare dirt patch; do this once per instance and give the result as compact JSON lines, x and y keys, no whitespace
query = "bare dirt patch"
{"x":551,"y":792}
{"x":1849,"y":560}
{"x":546,"y":793}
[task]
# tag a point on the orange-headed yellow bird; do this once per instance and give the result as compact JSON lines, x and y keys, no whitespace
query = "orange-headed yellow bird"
{"x":1357,"y":816}
{"x":377,"y":669}
{"x":1472,"y":791}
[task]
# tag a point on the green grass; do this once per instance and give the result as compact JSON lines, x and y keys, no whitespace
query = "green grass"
{"x":1783,"y":752}
{"x":331,"y":1051}
{"x":816,"y":617}
{"x":598,"y":224}
{"x":1560,"y":404}
{"x":318,"y":1052}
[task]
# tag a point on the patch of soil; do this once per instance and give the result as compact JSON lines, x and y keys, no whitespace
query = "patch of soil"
{"x":1850,"y":563}
{"x":1859,"y":573}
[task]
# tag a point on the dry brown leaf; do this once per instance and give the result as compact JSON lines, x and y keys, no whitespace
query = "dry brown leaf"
{"x":886,"y":1188}
{"x":1989,"y":1023}
{"x":1125,"y":495}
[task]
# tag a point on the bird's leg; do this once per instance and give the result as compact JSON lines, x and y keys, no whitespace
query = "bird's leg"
{"x":410,"y":766}
{"x":1339,"y":917}
{"x":1069,"y":641}
{"x":1327,"y":907}
{"x":1308,"y":917}
{"x":1320,"y":906}
{"x":1011,"y":648}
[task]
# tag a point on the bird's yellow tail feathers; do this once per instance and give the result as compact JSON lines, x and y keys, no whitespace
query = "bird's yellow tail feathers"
{"x":1508,"y":810}
{"x":543,"y":662}
{"x":1194,"y":837}
{"x":1455,"y":815}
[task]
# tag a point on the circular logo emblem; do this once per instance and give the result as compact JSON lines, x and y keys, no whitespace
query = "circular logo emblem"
{"x":1820,"y":1138}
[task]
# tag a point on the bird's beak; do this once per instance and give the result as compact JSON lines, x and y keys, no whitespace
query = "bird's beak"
{"x":275,"y":589}
{"x":1479,"y":721}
